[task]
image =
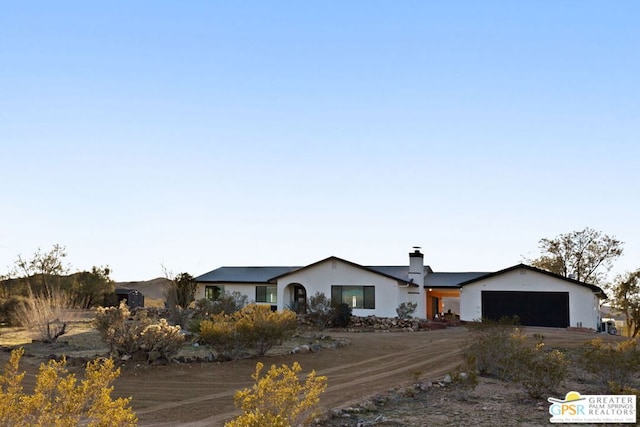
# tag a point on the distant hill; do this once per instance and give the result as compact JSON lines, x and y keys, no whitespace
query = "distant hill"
{"x":151,"y":289}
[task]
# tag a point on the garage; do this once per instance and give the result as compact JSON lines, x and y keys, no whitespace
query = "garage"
{"x":537,"y":297}
{"x":549,"y":309}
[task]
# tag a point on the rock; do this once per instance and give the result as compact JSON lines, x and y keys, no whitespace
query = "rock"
{"x":295,"y":350}
{"x":463,"y":376}
{"x":447,"y":379}
{"x":315,"y":347}
{"x":304,"y":348}
{"x":125,"y":357}
{"x":154,"y":355}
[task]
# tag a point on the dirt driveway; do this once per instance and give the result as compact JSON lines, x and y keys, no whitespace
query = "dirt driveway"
{"x":202,"y":394}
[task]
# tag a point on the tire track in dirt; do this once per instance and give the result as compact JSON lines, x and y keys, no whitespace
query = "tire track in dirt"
{"x":371,"y":364}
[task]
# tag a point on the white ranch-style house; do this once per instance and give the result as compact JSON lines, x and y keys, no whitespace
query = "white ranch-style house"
{"x":537,"y":297}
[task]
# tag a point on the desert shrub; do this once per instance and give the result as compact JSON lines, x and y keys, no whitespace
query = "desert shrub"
{"x":220,"y":334}
{"x":500,"y":349}
{"x":406,"y":310}
{"x":341,"y":316}
{"x":493,"y":347}
{"x":259,"y":327}
{"x":279,"y":398}
{"x":614,"y":365}
{"x":229,"y":303}
{"x":255,"y":326}
{"x":119,"y":329}
{"x":59,"y":399}
{"x":48,"y":314}
{"x":126,"y":334}
{"x":161,"y":338}
{"x":8,"y":308}
{"x":541,"y":372}
{"x":319,"y":310}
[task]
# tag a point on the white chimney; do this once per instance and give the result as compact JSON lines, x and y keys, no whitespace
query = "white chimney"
{"x":416,"y":266}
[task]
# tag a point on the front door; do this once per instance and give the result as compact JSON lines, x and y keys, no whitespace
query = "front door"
{"x":299,"y":299}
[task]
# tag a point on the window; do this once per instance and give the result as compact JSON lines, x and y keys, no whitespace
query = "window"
{"x":354,"y":296}
{"x":267,"y":294}
{"x":212,"y":293}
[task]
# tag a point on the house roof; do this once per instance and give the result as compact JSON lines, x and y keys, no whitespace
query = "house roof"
{"x":243,"y":274}
{"x":594,"y":288}
{"x":450,"y":280}
{"x":399,"y":273}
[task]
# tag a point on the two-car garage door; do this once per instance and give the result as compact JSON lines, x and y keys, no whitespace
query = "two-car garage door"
{"x":533,"y":308}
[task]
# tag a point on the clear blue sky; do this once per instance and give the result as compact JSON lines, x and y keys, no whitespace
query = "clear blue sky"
{"x":199,"y":134}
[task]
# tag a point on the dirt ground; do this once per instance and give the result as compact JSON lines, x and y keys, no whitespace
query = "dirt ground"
{"x":373,"y":368}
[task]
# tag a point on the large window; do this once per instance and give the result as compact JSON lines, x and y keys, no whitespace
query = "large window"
{"x":212,"y":293}
{"x":267,"y":294}
{"x":354,"y":296}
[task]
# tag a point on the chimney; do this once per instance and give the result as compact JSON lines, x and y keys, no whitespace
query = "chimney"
{"x":416,"y":266}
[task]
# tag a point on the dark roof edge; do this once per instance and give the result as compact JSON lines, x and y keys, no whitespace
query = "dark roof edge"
{"x":335,"y":258}
{"x":594,"y":288}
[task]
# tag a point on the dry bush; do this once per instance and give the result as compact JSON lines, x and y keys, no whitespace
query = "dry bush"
{"x":500,"y":349}
{"x":49,"y":315}
{"x":493,"y":346}
{"x":59,"y":399}
{"x":279,"y":398}
{"x":161,"y":340}
{"x":541,"y":372}
{"x":126,"y":334}
{"x":614,"y":365}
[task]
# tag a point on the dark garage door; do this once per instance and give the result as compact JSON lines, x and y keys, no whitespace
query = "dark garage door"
{"x":533,"y":308}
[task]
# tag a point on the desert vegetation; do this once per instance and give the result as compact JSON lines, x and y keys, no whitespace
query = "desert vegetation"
{"x":59,"y":399}
{"x":279,"y":398}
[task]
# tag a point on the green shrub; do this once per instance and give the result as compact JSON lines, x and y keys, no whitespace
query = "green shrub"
{"x":319,"y":310}
{"x":341,"y":316}
{"x":8,"y":310}
{"x":406,"y":309}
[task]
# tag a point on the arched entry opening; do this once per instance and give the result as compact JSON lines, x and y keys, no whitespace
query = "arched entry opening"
{"x":297,"y":297}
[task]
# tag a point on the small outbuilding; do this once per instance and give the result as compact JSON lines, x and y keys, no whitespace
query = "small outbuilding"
{"x":133,"y":297}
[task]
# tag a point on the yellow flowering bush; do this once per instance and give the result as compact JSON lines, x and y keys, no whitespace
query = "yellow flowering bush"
{"x":279,"y":398}
{"x":60,"y":400}
{"x":254,"y":326}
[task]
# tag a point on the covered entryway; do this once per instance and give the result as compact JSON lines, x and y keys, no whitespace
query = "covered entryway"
{"x":549,"y":309}
{"x":441,"y":301}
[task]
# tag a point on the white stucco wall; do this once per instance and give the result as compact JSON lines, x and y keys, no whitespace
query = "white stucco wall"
{"x":248,"y":289}
{"x":321,"y":277}
{"x":583,"y":303}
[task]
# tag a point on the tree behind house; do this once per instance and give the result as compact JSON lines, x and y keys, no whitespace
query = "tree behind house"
{"x":585,"y":255}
